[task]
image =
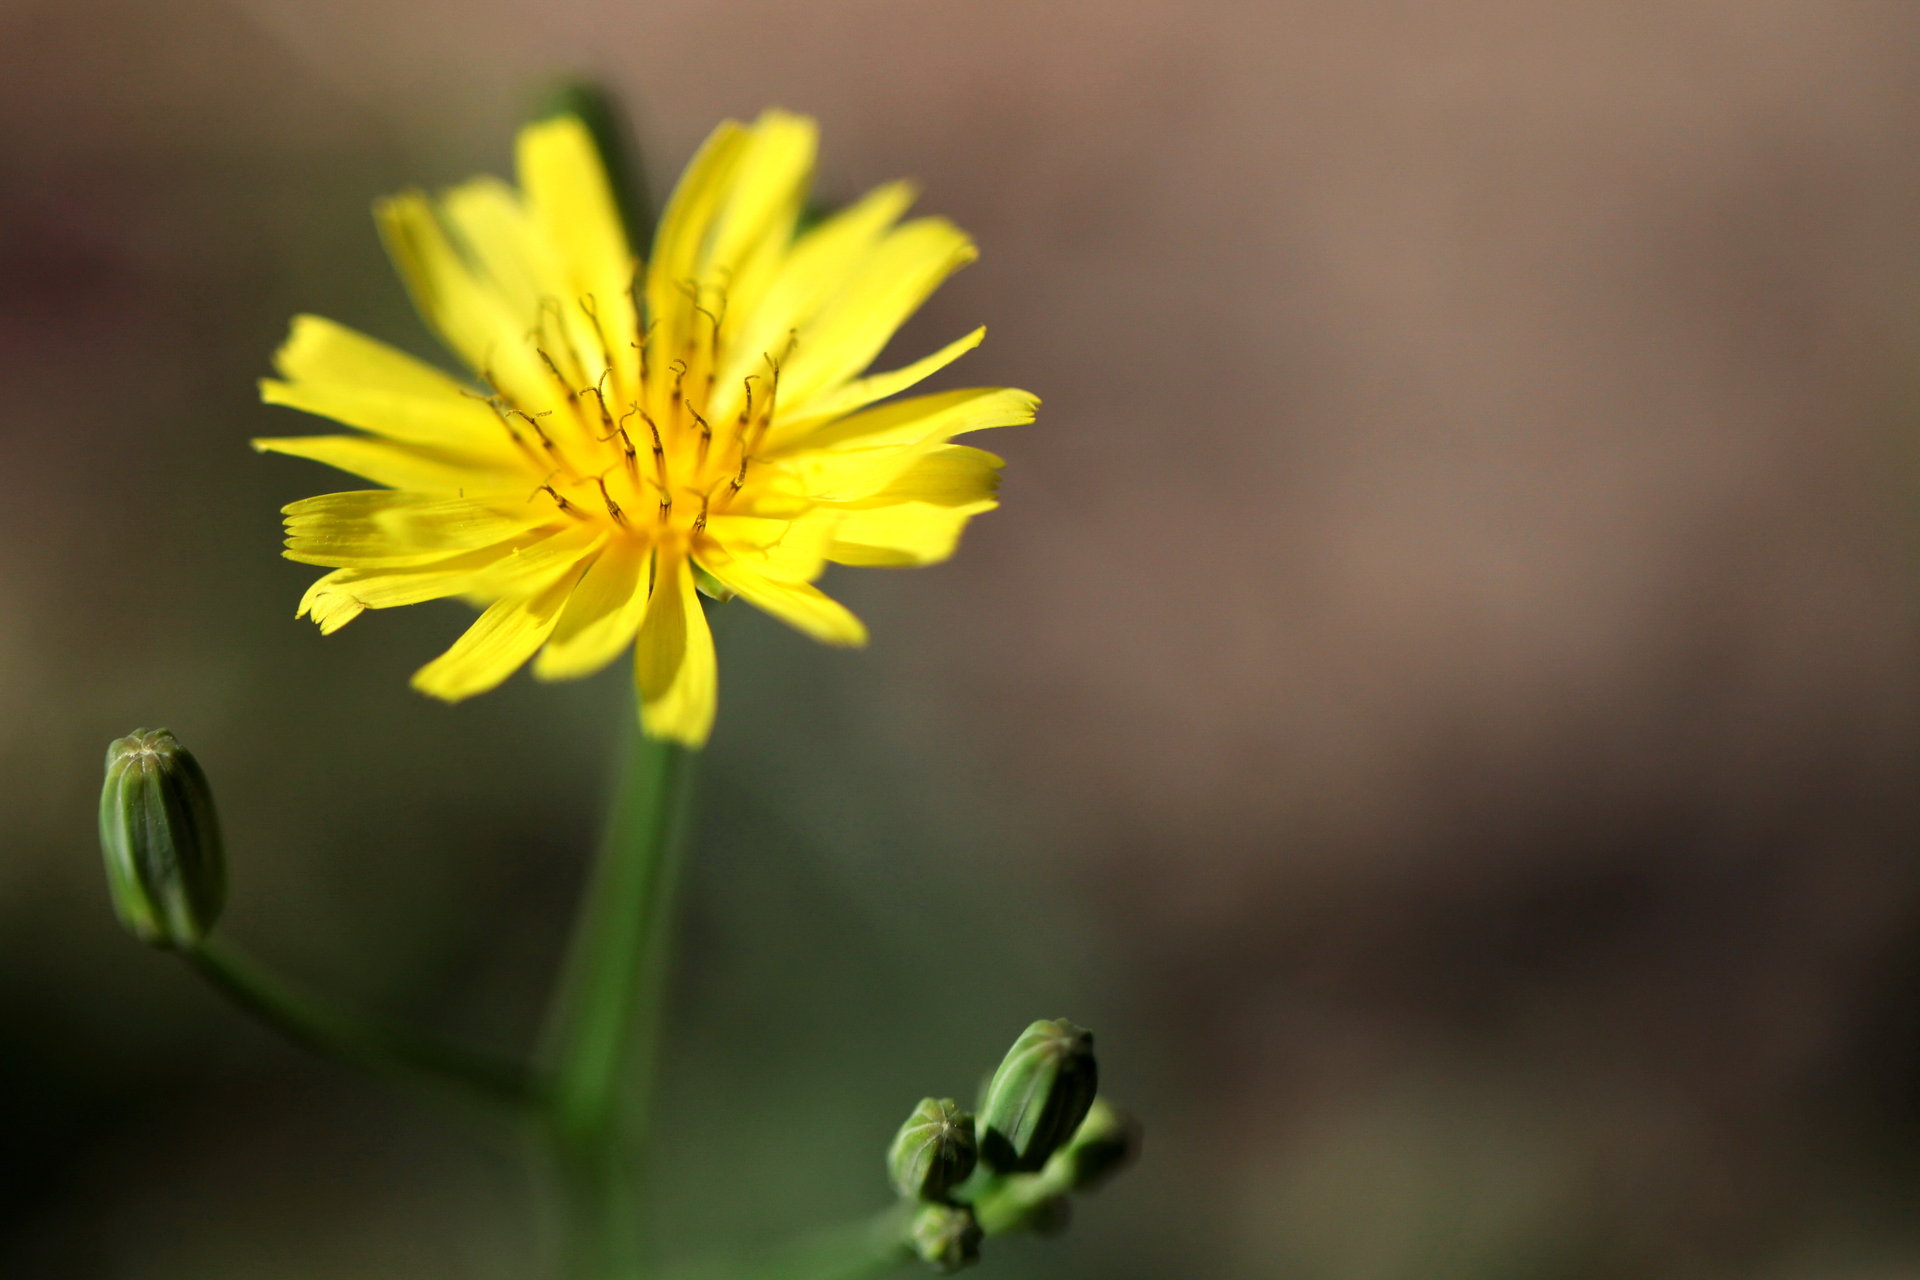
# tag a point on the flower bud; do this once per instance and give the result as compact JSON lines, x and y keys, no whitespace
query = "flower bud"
{"x":1038,"y":1097}
{"x":161,"y":840}
{"x":934,"y":1150}
{"x":1107,"y":1141}
{"x":946,"y":1237}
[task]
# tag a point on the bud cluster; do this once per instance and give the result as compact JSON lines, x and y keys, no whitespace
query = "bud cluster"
{"x":1042,"y":1134}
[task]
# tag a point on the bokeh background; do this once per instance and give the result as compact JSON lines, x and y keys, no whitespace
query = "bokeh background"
{"x":1439,"y":699}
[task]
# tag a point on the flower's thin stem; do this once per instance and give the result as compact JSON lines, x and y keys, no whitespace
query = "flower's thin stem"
{"x":854,"y":1251}
{"x":603,"y":1040}
{"x":386,"y":1048}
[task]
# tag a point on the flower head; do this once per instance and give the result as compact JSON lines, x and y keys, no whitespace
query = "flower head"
{"x":635,"y":430}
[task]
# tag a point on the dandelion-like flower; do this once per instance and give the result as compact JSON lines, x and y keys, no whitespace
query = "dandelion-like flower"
{"x":637,"y":431}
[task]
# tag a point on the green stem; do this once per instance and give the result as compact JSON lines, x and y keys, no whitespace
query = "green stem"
{"x":855,"y":1251}
{"x":1009,"y":1204}
{"x":603,"y":1042}
{"x":385,"y":1048}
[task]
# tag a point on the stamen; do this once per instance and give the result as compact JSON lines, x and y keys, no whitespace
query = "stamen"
{"x":559,"y":498}
{"x":613,"y":508}
{"x":591,"y":306}
{"x":550,"y":306}
{"x":533,"y":420}
{"x":679,"y":370}
{"x":659,"y":461}
{"x":502,"y":410}
{"x":626,"y":442}
{"x":713,"y":345}
{"x":706,"y":437}
{"x":773,"y":393}
{"x":598,"y":392}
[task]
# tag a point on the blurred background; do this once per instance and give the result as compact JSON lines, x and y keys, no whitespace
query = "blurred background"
{"x":1439,"y":700}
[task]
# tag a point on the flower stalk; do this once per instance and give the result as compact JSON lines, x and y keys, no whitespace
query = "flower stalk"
{"x":603,"y":1042}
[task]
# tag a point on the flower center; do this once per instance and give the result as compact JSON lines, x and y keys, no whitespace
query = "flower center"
{"x":645,"y":440}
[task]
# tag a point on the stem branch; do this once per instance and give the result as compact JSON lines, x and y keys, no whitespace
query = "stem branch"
{"x":386,"y":1048}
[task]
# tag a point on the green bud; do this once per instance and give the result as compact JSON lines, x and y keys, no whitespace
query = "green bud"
{"x":1107,"y":1141}
{"x":934,"y":1150}
{"x":946,"y":1237}
{"x":161,"y":839}
{"x":1038,"y":1097}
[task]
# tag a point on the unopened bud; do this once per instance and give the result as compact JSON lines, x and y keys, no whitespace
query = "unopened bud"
{"x":934,"y":1150}
{"x":1107,"y":1141}
{"x":1038,"y":1097}
{"x":946,"y":1237}
{"x":161,"y":839}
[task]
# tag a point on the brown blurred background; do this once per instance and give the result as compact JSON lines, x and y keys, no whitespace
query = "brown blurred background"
{"x":1439,"y":699}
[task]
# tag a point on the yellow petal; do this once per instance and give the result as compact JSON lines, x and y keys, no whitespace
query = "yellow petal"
{"x":475,"y":319}
{"x":340,"y":530}
{"x":918,"y":517}
{"x":460,"y":524}
{"x":571,"y":205}
{"x":798,"y":604}
{"x":382,"y":528}
{"x":769,"y":185}
{"x":528,"y":563}
{"x":319,"y":350}
{"x":422,"y":470}
{"x":790,"y":549}
{"x":820,"y":262}
{"x":329,"y":603}
{"x":859,"y":456}
{"x":493,"y":647}
{"x":522,"y":566}
{"x":340,"y":374}
{"x":684,"y":229}
{"x":602,"y":616}
{"x":948,"y":475}
{"x":492,"y":225}
{"x":920,"y":420}
{"x":862,"y":392}
{"x":673,"y":660}
{"x":888,"y":287}
{"x":905,"y":533}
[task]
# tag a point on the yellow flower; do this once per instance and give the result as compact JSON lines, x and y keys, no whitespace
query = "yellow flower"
{"x":637,"y":430}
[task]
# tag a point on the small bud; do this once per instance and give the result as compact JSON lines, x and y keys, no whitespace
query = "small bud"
{"x":934,"y":1150}
{"x":946,"y":1237}
{"x":161,"y":840}
{"x":1107,"y":1141}
{"x":1038,"y":1097}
